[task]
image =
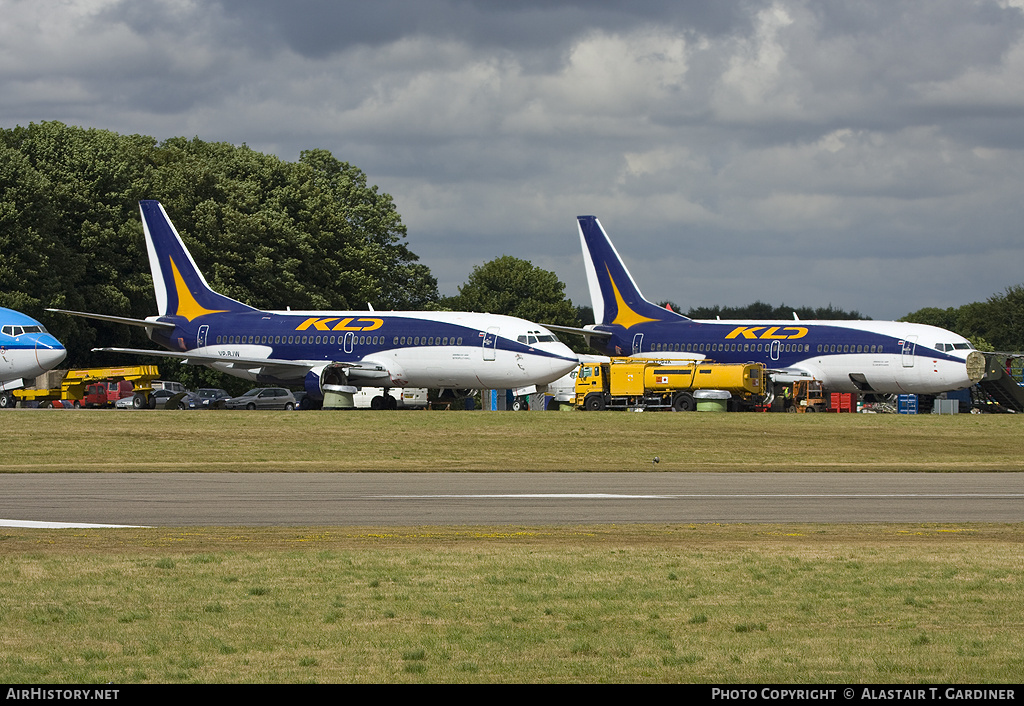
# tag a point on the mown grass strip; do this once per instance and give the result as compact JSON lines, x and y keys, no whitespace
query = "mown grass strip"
{"x":691,"y":603}
{"x":121,"y":441}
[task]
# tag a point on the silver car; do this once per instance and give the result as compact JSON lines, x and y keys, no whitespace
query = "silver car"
{"x":263,"y":398}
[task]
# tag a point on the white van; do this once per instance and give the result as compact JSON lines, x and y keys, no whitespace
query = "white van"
{"x":165,"y":385}
{"x":404,"y":397}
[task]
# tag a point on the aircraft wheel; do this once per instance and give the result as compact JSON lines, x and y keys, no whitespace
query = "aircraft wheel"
{"x":6,"y":400}
{"x":391,"y":402}
{"x":683,"y":402}
{"x":378,"y":402}
{"x":518,"y":405}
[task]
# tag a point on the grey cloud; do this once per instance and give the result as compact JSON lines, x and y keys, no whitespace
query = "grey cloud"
{"x":724,"y":144}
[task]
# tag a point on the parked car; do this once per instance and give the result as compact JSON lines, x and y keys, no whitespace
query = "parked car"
{"x":159,"y":399}
{"x":167,"y":385}
{"x":263,"y":398}
{"x":212,"y":398}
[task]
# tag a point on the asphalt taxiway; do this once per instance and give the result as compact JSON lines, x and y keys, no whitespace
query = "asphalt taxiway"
{"x":413,"y":499}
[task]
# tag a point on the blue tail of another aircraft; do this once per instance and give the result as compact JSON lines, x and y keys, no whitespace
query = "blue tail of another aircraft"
{"x":181,"y":289}
{"x":615,"y":297}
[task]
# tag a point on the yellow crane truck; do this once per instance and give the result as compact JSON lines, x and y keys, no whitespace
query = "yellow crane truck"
{"x":97,"y":387}
{"x":631,"y":383}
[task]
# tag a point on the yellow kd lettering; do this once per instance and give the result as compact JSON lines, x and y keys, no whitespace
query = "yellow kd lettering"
{"x":374,"y":324}
{"x":318,"y":324}
{"x":745,"y":331}
{"x":800,"y":331}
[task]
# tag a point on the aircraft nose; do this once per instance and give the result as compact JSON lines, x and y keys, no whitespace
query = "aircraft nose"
{"x":568,"y":361}
{"x":49,"y":352}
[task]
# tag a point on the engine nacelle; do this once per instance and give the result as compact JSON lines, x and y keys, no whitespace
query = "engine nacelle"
{"x":454,"y":394}
{"x":329,"y":374}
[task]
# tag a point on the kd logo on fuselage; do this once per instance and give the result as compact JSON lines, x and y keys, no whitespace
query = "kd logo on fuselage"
{"x":769,"y":332}
{"x":342,"y":325}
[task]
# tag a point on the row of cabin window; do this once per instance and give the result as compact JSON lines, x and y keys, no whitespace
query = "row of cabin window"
{"x":763,"y":347}
{"x":732,"y":347}
{"x":338,"y":340}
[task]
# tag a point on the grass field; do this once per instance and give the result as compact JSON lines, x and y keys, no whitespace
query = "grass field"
{"x":722,"y":604}
{"x":119,"y":441}
{"x":636,"y":603}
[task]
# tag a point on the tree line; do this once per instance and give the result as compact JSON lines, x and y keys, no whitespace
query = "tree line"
{"x":310,"y":234}
{"x":996,"y":324}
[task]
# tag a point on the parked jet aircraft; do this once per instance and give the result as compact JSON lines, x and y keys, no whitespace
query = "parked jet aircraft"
{"x":450,"y":350}
{"x":847,"y":356}
{"x":26,"y":350}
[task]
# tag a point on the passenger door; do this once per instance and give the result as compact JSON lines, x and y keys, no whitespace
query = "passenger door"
{"x":490,"y":343}
{"x":909,"y":348}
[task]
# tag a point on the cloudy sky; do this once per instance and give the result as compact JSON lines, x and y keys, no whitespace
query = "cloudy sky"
{"x":862,"y":154}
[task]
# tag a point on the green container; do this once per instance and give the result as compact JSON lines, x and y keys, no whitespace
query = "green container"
{"x":712,"y":400}
{"x":339,"y":397}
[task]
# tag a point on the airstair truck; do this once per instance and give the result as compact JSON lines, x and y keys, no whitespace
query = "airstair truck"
{"x":631,"y":383}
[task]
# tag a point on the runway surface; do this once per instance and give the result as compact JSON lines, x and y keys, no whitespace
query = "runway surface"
{"x":412,"y":499}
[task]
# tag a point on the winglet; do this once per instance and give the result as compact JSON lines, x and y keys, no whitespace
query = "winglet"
{"x":615,"y":297}
{"x":181,"y":289}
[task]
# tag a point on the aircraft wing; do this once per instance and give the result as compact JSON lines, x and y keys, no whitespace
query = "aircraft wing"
{"x":270,"y":366}
{"x":785,"y":375}
{"x":117,"y":319}
{"x":577,"y":331}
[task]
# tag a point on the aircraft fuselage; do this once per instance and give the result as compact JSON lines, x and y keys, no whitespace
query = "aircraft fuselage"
{"x":846,"y":356}
{"x":391,"y":349}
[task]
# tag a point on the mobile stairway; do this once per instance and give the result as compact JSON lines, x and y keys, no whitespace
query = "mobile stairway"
{"x":1002,"y":388}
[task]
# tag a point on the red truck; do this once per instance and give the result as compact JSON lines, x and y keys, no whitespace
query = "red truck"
{"x":105,"y":394}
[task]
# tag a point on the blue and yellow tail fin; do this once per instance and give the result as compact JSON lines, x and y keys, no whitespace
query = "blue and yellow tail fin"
{"x":615,"y":297}
{"x":181,"y":289}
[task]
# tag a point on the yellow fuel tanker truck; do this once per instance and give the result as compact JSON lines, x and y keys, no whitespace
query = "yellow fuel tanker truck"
{"x":631,"y":383}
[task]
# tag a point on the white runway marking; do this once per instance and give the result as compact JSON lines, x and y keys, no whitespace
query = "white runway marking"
{"x":33,"y":524}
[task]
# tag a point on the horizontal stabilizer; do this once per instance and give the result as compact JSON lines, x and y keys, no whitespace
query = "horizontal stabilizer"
{"x":577,"y":331}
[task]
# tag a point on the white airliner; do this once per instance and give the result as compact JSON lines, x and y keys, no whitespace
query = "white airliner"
{"x":26,"y":350}
{"x":846,"y":356}
{"x":448,"y":350}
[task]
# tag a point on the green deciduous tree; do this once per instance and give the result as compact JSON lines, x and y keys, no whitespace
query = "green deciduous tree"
{"x":310,"y":234}
{"x":508,"y":285}
{"x":994,"y":324}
